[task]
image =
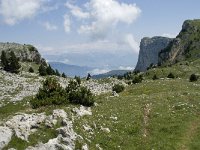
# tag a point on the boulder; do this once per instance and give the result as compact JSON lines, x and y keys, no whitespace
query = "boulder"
{"x":5,"y":136}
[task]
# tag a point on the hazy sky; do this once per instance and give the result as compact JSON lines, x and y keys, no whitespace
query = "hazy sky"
{"x":100,"y":33}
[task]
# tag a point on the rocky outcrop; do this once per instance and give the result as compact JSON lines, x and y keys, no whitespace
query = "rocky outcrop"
{"x":185,"y":46}
{"x":149,"y":50}
{"x":6,"y":135}
{"x":25,"y":124}
{"x":23,"y":52}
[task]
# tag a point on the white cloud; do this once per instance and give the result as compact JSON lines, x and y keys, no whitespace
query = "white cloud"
{"x":98,"y":71}
{"x":14,"y":11}
{"x":169,"y":35}
{"x":88,"y":47}
{"x":129,"y":39}
{"x":106,"y":14}
{"x":77,"y":11}
{"x":67,"y":23}
{"x":49,"y":27}
{"x":65,"y":61}
{"x":126,"y":68}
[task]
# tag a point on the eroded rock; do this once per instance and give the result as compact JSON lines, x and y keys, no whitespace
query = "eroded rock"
{"x":5,"y":136}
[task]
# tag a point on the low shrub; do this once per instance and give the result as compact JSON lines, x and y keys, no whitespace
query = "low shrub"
{"x":78,"y":94}
{"x":118,"y":88}
{"x":137,"y":79}
{"x":50,"y":94}
{"x":31,"y":70}
{"x":155,"y":77}
{"x":171,"y":75}
{"x":193,"y":78}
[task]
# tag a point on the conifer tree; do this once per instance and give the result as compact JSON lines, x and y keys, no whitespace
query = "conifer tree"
{"x":57,"y":73}
{"x":4,"y":61}
{"x":31,"y":70}
{"x":14,"y":65}
{"x":63,"y":75}
{"x":42,"y":70}
{"x":88,"y":77}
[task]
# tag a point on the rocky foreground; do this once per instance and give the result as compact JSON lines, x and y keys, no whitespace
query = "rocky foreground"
{"x":23,"y":125}
{"x":15,"y":88}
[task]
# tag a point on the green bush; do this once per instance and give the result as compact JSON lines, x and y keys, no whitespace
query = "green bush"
{"x":53,"y":94}
{"x":50,"y":94}
{"x":171,"y":75}
{"x":42,"y":70}
{"x":31,"y":70}
{"x":78,"y":94}
{"x":118,"y":88}
{"x":155,"y":77}
{"x":137,"y":79}
{"x":193,"y":78}
{"x":78,"y":79}
{"x":11,"y":63}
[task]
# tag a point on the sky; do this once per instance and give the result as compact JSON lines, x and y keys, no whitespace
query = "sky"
{"x":103,"y":34}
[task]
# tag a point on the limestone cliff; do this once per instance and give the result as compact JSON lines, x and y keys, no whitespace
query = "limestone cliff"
{"x":149,"y":50}
{"x":23,"y":52}
{"x":185,"y":46}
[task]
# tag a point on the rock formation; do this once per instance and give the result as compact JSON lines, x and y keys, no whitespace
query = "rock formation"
{"x":185,"y":46}
{"x":23,"y":52}
{"x":149,"y":50}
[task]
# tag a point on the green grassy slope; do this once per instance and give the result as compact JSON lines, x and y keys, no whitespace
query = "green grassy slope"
{"x":155,"y":114}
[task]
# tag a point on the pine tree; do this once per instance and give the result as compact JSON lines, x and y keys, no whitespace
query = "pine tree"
{"x":14,"y":65}
{"x":4,"y":61}
{"x":57,"y":73}
{"x":88,"y":77}
{"x":42,"y":70}
{"x":31,"y":70}
{"x":78,"y":80}
{"x":63,"y":75}
{"x":50,"y":71}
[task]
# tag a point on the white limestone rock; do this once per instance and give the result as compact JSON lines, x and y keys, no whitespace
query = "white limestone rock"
{"x":83,"y":111}
{"x":5,"y":136}
{"x":24,"y":124}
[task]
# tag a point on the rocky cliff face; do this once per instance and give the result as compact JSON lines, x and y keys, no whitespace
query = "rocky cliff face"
{"x":149,"y":50}
{"x":23,"y":52}
{"x":185,"y":46}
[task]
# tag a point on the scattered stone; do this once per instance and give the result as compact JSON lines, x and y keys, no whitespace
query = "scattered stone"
{"x":114,"y":118}
{"x":87,"y":128}
{"x":65,"y":139}
{"x":24,"y":124}
{"x":85,"y":147}
{"x":115,"y":94}
{"x":98,"y":147}
{"x":106,"y":130}
{"x":83,"y":111}
{"x":59,"y":113}
{"x":5,"y":136}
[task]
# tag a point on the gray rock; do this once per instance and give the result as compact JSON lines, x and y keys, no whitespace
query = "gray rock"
{"x":23,"y":52}
{"x":65,"y":139}
{"x":24,"y":124}
{"x":5,"y":136}
{"x":149,"y":51}
{"x":82,"y":111}
{"x":85,"y":147}
{"x":184,"y":44}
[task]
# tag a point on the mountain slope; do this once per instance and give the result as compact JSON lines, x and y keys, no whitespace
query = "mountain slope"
{"x":149,"y":50}
{"x":25,"y":53}
{"x":71,"y":70}
{"x":110,"y":74}
{"x":186,"y":46}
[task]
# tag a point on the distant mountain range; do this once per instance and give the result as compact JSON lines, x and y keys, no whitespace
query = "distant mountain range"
{"x":110,"y":73}
{"x":71,"y":70}
{"x":82,"y":71}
